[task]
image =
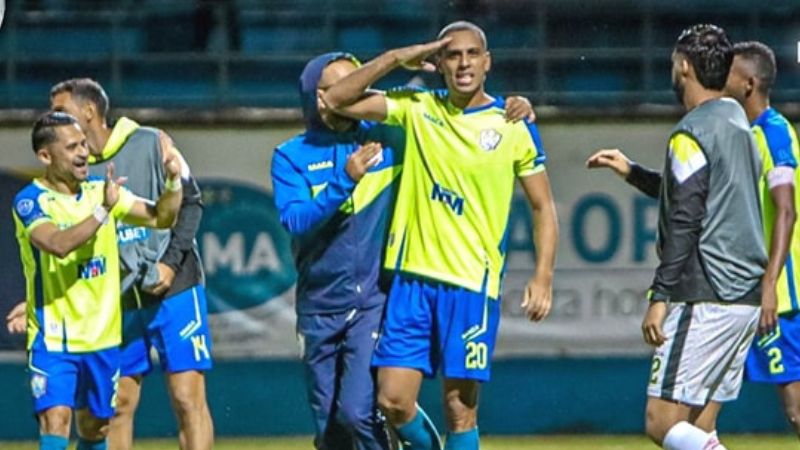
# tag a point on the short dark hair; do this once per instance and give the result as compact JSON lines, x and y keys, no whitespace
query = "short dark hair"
{"x":84,"y":89}
{"x":463,"y":25}
{"x":44,"y":129}
{"x":709,"y":52}
{"x":763,"y":58}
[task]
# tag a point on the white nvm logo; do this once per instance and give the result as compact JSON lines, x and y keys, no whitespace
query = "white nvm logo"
{"x":233,"y":255}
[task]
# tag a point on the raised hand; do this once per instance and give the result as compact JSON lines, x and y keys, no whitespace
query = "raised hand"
{"x":361,"y":160}
{"x":612,"y":159}
{"x":111,"y":188}
{"x":169,"y":156}
{"x":413,"y":57}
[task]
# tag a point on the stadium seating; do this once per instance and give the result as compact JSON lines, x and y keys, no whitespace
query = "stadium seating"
{"x":167,"y":52}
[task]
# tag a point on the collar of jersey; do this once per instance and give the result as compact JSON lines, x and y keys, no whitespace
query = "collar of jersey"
{"x":38,"y":183}
{"x":122,"y":130}
{"x":762,"y":118}
{"x":496,"y":103}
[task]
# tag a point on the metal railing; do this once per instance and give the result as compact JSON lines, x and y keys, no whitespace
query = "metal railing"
{"x":247,"y":53}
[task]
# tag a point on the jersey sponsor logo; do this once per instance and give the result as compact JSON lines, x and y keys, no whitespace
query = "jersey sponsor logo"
{"x":449,"y":198}
{"x":433,"y":119}
{"x":320,"y":165}
{"x":92,"y":268}
{"x":25,"y":207}
{"x":38,"y":385}
{"x":132,"y":234}
{"x":489,"y":139}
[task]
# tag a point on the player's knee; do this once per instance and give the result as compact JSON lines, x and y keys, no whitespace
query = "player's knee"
{"x":397,"y":408}
{"x":187,"y":402}
{"x":460,"y":416}
{"x":55,"y":421}
{"x":92,"y":428}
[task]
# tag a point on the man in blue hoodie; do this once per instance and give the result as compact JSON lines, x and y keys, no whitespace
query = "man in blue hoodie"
{"x":334,"y":187}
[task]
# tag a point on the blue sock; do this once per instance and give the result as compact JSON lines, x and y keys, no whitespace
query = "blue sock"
{"x":84,"y":444}
{"x":420,"y":433}
{"x":53,"y":442}
{"x":464,"y":440}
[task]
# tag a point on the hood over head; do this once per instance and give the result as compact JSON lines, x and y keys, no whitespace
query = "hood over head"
{"x":309,"y":80}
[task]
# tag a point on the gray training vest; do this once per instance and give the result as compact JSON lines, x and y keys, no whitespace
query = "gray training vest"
{"x":731,"y":245}
{"x":140,"y":248}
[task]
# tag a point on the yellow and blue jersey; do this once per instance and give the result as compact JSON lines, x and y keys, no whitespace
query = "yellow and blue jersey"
{"x":778,"y":147}
{"x":72,"y":302}
{"x":451,"y":214}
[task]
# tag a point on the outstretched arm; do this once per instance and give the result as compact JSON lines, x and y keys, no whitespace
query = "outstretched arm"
{"x":645,"y":180}
{"x":347,"y":97}
{"x":538,"y":295}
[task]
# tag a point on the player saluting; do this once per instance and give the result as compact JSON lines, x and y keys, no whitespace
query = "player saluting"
{"x":706,"y":291}
{"x":66,"y":228}
{"x":446,"y":239}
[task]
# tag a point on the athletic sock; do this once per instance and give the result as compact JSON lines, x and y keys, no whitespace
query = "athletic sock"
{"x":419,"y":433}
{"x":464,"y":440}
{"x":685,"y":436}
{"x":85,"y":444}
{"x":53,"y":442}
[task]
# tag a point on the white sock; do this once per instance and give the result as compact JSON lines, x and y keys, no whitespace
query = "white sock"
{"x":685,"y":436}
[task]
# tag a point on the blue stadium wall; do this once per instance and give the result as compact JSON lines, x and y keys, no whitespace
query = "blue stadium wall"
{"x":525,"y":396}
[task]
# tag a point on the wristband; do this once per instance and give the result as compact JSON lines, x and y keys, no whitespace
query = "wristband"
{"x":100,"y":214}
{"x":173,"y":184}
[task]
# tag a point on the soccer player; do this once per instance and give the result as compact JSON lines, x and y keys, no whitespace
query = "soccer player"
{"x":446,"y":239}
{"x":163,"y":298}
{"x":66,"y":228}
{"x":704,"y":298}
{"x":334,"y":187}
{"x":774,"y":357}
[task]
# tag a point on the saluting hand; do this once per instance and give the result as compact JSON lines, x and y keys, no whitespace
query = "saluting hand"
{"x":413,"y":57}
{"x":361,"y":160}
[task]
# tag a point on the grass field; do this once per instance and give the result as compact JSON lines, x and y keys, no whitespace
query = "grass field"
{"x":733,"y":442}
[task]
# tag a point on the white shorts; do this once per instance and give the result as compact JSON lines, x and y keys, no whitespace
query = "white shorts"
{"x":703,"y":357}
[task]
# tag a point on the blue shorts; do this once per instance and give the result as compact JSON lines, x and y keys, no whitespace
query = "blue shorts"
{"x":776,"y":358}
{"x":430,"y":324}
{"x":177,"y":328}
{"x":75,"y":380}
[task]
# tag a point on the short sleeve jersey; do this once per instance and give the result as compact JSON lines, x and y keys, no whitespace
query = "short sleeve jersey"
{"x":451,"y":215}
{"x":778,"y":147}
{"x":72,"y":302}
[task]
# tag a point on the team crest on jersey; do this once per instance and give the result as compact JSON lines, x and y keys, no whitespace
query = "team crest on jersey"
{"x":38,"y":385}
{"x":489,"y":139}
{"x":24,"y":207}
